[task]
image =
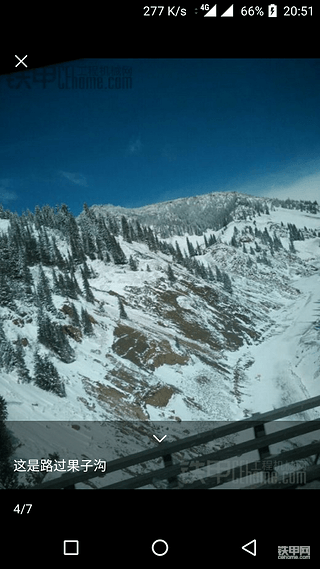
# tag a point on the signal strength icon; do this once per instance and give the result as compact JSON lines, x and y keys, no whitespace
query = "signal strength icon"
{"x":212,"y":13}
{"x":228,"y":13}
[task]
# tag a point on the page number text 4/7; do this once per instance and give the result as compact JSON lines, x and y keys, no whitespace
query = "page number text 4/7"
{"x":25,"y":508}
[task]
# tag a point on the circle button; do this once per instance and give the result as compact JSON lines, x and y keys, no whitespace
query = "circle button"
{"x":158,"y":550}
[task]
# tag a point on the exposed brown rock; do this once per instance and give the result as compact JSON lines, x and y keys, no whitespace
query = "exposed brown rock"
{"x":67,"y":310}
{"x":160,"y":397}
{"x":73,"y":332}
{"x":142,"y":351}
{"x":18,"y":322}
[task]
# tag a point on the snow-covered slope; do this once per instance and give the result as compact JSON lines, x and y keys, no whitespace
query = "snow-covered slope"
{"x":231,"y":331}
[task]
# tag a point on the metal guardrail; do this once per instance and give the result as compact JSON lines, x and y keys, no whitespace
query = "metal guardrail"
{"x":171,"y":471}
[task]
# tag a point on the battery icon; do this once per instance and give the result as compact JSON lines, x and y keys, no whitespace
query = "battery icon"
{"x":272,"y":11}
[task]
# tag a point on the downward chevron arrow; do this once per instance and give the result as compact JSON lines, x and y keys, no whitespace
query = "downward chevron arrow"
{"x":159,"y":440}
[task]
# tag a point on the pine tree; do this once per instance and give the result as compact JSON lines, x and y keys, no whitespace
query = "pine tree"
{"x":87,"y":272}
{"x":266,"y":237}
{"x":46,"y":376}
{"x":219,"y":274}
{"x":75,"y":239}
{"x":125,"y":229}
{"x":62,"y":285}
{"x":58,"y":259}
{"x":133,"y":235}
{"x":133,"y":263}
{"x":77,"y":252}
{"x":8,"y":478}
{"x":190,"y":248}
{"x":117,"y":253}
{"x":7,"y":353}
{"x":44,"y":292}
{"x":291,"y":246}
{"x":23,"y":372}
{"x":43,"y":328}
{"x":14,"y":271}
{"x":28,"y":281}
{"x":293,"y":231}
{"x":48,"y":216}
{"x":40,"y":378}
{"x":234,"y":241}
{"x":170,"y":274}
{"x":38,"y":222}
{"x":3,"y":418}
{"x":60,"y":344}
{"x":56,"y":284}
{"x":6,"y":292}
{"x":249,"y":262}
{"x":70,"y":287}
{"x":140,"y":236}
{"x":99,"y":248}
{"x":123,"y":313}
{"x":51,"y":335}
{"x":88,"y":243}
{"x":2,"y":213}
{"x":86,"y":323}
{"x":195,"y":267}
{"x":227,"y":283}
{"x":87,"y":290}
{"x":86,"y":209}
{"x":203,"y":271}
{"x":30,"y":246}
{"x":75,"y":316}
{"x":44,"y":248}
{"x":178,"y":254}
{"x":4,"y":257}
{"x":210,"y":274}
{"x":113,"y":225}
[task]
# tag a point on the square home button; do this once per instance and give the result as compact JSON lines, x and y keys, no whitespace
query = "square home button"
{"x":71,"y":547}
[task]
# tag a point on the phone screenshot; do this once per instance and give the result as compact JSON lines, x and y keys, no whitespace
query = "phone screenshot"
{"x":160,"y":291}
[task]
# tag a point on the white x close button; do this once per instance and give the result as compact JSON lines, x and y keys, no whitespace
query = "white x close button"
{"x":21,"y":61}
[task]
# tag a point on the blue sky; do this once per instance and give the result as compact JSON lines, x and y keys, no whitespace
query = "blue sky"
{"x":159,"y":129}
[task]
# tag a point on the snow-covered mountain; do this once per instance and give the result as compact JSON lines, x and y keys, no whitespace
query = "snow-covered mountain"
{"x":194,"y":310}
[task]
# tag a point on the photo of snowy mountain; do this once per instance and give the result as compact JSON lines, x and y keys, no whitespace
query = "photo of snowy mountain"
{"x":102,"y":319}
{"x":155,"y":278}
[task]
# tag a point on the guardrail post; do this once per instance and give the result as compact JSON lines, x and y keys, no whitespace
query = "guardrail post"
{"x":172,"y":480}
{"x":264,"y":452}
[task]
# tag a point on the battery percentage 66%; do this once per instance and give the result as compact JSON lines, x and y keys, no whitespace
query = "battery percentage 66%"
{"x":252,"y":11}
